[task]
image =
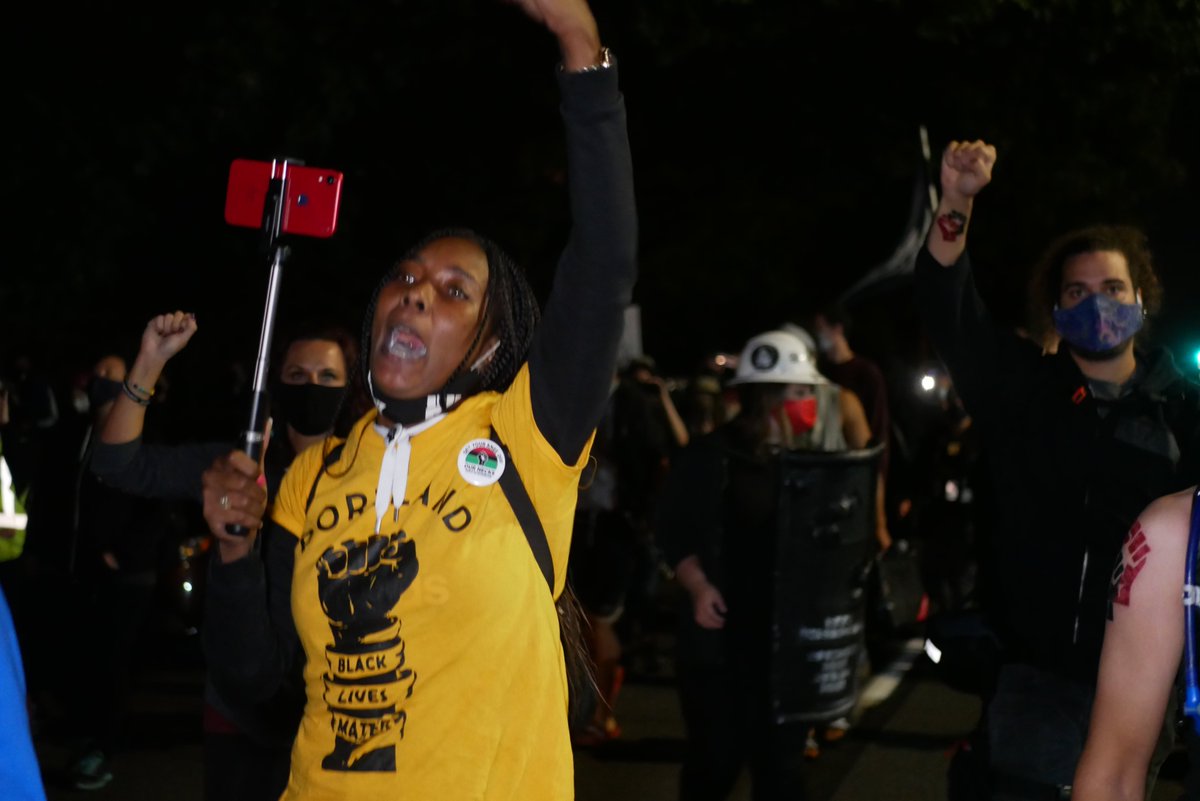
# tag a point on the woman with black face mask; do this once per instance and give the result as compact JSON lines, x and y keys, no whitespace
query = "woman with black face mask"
{"x":312,"y":384}
{"x":246,"y":746}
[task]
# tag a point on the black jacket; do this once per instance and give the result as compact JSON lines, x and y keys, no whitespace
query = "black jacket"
{"x":1071,"y":473}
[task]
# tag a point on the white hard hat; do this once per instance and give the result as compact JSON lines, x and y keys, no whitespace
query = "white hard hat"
{"x":777,"y":357}
{"x":805,"y":337}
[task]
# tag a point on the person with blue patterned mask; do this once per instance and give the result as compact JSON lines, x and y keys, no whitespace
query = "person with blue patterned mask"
{"x":1100,"y":287}
{"x":1083,"y":424}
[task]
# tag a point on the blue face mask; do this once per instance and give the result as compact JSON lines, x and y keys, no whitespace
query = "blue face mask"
{"x":1099,"y":323}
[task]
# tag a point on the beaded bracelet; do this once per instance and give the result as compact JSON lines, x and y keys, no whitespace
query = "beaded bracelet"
{"x":139,"y":389}
{"x":133,"y":396}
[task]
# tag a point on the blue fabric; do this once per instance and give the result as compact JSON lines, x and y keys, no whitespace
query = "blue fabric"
{"x":1099,"y":322}
{"x":19,"y":773}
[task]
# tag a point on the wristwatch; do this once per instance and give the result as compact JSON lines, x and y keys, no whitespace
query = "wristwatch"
{"x":606,"y":61}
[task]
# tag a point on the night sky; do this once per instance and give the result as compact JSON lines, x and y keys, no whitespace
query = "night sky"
{"x":775,"y":146}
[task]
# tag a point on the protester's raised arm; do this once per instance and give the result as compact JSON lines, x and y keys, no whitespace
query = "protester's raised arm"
{"x":966,"y":169}
{"x":165,"y":336}
{"x":572,"y":23}
{"x":574,"y":351}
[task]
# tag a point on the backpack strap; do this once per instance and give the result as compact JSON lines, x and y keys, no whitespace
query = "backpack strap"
{"x":330,"y":459}
{"x":581,"y":672}
{"x":522,"y":506}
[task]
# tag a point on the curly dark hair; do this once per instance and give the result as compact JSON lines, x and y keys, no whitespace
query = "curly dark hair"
{"x":510,"y":308}
{"x":1046,"y":284}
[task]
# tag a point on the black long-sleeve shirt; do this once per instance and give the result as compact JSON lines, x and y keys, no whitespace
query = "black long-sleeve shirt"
{"x":1071,"y":472}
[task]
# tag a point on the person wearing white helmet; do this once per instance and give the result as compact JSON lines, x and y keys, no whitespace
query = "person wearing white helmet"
{"x":718,"y":528}
{"x":817,"y":414}
{"x":801,"y":407}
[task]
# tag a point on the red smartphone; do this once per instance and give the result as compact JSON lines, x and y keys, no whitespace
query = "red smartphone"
{"x":310,"y":205}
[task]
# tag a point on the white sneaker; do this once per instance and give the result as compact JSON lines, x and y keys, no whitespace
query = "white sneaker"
{"x":91,"y":771}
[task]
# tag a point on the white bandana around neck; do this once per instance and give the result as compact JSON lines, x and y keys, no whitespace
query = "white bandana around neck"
{"x":393,"y":470}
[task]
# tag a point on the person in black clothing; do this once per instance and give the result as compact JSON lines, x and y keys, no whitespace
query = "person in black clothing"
{"x":944,"y":507}
{"x":612,"y":538}
{"x":839,"y":363}
{"x":246,"y":747}
{"x":118,"y":545}
{"x":719,"y":523}
{"x":1078,"y":442}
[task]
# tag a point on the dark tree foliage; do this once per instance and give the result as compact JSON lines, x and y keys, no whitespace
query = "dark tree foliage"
{"x":775,"y":144}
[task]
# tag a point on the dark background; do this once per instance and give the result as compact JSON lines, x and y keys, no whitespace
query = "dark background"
{"x":775,"y":147}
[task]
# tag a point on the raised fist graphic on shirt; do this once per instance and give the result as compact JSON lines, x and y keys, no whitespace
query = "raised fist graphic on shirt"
{"x":360,"y":582}
{"x":368,"y":680}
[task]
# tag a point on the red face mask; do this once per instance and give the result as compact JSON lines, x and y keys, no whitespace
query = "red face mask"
{"x":802,"y":414}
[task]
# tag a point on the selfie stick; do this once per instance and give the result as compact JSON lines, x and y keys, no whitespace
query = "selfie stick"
{"x":253,"y":438}
{"x":1191,"y":600}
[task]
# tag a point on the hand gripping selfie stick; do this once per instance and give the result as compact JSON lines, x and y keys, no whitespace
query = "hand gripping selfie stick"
{"x":1191,"y":601}
{"x":253,"y":438}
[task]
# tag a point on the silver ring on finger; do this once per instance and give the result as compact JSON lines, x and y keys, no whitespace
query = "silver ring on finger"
{"x":223,"y":502}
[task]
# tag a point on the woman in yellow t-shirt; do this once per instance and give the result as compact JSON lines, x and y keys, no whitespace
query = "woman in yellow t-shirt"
{"x":413,"y":587}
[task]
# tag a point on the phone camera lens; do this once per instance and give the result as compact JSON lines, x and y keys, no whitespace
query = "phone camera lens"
{"x":329,"y":180}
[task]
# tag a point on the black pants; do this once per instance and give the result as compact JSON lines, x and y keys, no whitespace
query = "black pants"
{"x":237,"y":768}
{"x":726,"y":712}
{"x":112,"y":629}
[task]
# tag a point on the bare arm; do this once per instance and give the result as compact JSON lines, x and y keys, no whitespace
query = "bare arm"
{"x":1143,"y":644}
{"x":165,"y":336}
{"x":708,"y":606}
{"x":854,"y":420}
{"x":679,"y":430}
{"x":857,"y":431}
{"x":966,"y":169}
{"x":882,"y":535}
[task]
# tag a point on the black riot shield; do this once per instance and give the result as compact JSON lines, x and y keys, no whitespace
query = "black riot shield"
{"x":824,"y":544}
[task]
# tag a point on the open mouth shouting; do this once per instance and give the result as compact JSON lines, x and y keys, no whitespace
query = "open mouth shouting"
{"x":401,"y":342}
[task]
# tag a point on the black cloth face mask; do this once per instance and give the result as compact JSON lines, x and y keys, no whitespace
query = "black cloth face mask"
{"x":310,"y":408}
{"x":101,"y":391}
{"x":410,"y":411}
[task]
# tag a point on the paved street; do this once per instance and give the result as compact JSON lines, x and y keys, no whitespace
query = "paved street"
{"x":899,"y":751}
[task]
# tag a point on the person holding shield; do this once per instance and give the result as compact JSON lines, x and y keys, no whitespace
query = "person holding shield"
{"x":719,"y":520}
{"x":413,"y":566}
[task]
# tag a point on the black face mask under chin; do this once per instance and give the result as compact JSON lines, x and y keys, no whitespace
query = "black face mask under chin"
{"x":310,"y":408}
{"x":409,"y":411}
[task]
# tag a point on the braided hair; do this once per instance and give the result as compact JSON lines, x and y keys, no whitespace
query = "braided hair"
{"x":509,"y":306}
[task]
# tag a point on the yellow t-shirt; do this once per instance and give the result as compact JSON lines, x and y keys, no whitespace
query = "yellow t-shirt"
{"x":434,"y":667}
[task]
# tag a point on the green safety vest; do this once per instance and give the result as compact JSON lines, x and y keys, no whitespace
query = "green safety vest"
{"x":13,"y":519}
